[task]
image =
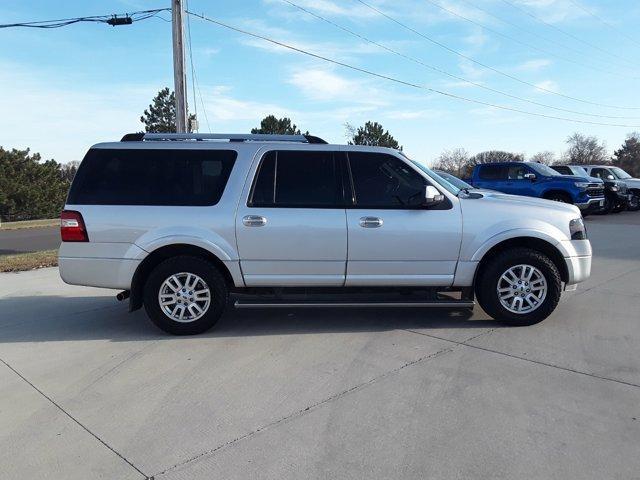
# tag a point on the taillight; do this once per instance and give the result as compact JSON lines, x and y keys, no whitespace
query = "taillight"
{"x":72,"y":227}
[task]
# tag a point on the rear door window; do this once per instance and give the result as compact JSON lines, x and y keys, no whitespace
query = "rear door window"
{"x":152,"y":177}
{"x":297,"y":179}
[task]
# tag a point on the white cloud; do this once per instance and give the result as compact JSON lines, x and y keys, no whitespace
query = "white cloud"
{"x":326,"y":85}
{"x":552,"y":11}
{"x":547,"y":85}
{"x":413,"y":114}
{"x":52,"y":115}
{"x":533,"y":65}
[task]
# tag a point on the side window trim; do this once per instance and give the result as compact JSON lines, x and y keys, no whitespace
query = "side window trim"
{"x":446,"y":205}
{"x":338,"y":176}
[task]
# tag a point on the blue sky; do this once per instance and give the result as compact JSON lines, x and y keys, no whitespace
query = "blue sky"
{"x":62,"y":90}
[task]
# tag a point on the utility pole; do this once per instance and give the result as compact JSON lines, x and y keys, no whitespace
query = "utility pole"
{"x":179,"y":76}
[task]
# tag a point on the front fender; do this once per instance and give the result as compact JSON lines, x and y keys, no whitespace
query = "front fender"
{"x":549,"y":237}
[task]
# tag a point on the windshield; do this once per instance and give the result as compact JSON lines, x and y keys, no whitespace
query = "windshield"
{"x":619,"y":173}
{"x":453,"y":180}
{"x":436,"y":178}
{"x":543,"y":169}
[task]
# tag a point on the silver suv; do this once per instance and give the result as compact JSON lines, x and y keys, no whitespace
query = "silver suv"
{"x":183,"y":223}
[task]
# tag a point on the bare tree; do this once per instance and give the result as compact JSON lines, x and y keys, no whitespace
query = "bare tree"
{"x":585,"y":150}
{"x":453,"y":161}
{"x":547,"y":157}
{"x":491,"y":156}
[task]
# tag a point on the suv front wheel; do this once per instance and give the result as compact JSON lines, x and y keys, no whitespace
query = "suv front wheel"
{"x":185,"y":295}
{"x":520,"y":286}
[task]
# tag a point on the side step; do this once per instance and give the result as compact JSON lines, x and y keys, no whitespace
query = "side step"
{"x":274,"y":303}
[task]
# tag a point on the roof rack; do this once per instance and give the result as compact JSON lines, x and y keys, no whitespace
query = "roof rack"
{"x":231,"y":137}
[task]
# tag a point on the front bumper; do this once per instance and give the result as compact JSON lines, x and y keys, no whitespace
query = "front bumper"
{"x":578,"y":261}
{"x":591,"y":204}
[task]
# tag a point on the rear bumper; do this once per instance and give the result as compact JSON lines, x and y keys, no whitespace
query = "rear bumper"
{"x":98,"y":272}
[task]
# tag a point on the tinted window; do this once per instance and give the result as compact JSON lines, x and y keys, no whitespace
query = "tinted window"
{"x":493,"y":172}
{"x":151,"y":177}
{"x":288,"y":178}
{"x":563,"y":170}
{"x":601,"y":173}
{"x":516,"y":172}
{"x":381,"y":180}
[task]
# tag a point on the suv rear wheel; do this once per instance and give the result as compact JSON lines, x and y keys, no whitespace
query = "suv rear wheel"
{"x":519,"y":286}
{"x":185,"y":295}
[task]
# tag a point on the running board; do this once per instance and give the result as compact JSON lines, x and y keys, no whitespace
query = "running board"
{"x":304,"y":304}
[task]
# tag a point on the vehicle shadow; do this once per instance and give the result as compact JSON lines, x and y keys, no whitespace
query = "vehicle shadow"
{"x":57,"y":318}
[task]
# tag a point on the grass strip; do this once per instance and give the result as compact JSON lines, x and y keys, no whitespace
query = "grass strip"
{"x":28,"y":261}
{"x":47,"y":222}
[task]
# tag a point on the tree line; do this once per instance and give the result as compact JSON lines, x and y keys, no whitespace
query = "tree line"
{"x":31,"y":188}
{"x":581,"y":150}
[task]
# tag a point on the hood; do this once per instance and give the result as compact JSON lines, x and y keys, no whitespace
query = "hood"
{"x":631,"y":182}
{"x":522,"y":201}
{"x":575,"y":178}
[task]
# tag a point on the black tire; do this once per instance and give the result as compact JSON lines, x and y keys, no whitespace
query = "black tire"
{"x":634,"y":203}
{"x":488,"y":278}
{"x":619,"y":207}
{"x":207,"y":272}
{"x":609,"y":204}
{"x":559,"y":197}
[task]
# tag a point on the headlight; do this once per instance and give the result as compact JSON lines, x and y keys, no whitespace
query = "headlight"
{"x":577,"y":229}
{"x":582,"y":185}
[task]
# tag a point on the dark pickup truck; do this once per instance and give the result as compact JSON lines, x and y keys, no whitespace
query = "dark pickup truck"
{"x":537,"y":180}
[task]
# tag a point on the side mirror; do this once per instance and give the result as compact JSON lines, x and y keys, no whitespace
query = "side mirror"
{"x":610,"y":177}
{"x":432,"y":196}
{"x":530,"y":176}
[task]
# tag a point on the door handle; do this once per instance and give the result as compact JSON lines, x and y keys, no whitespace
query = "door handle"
{"x":370,"y":222}
{"x":254,"y":221}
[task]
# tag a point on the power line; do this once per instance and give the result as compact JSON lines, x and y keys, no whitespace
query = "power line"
{"x":568,"y":34}
{"x":397,"y":80}
{"x":516,"y":40}
{"x":444,"y":72}
{"x":535,"y":34}
{"x":604,"y":22}
{"x":194,"y":79}
{"x":116,"y":19}
{"x":193,"y":74}
{"x":489,"y":67}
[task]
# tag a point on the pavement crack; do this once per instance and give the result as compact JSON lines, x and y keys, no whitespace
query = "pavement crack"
{"x":307,"y":409}
{"x":75,"y":420}
{"x":530,"y":360}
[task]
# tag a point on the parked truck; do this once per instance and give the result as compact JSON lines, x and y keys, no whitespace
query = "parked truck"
{"x":537,"y":180}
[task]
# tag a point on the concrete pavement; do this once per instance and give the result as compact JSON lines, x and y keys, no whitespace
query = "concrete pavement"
{"x":90,"y":391}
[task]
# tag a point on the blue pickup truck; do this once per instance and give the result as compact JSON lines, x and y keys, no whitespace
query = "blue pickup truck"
{"x":537,"y":180}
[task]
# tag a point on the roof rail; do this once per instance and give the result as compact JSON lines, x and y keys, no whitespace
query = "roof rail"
{"x":232,"y":137}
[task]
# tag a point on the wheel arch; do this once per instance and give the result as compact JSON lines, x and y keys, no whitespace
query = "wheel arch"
{"x":535,"y":243}
{"x":157,"y":256}
{"x":557,"y":191}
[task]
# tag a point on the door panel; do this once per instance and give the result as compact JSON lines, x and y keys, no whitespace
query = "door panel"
{"x":412,"y":247}
{"x":295,"y":247}
{"x":393,"y":240}
{"x":292,"y":229}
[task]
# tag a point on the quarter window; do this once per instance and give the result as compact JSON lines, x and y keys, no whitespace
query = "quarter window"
{"x":177,"y":177}
{"x":563,"y":170}
{"x":493,"y":172}
{"x":384,"y":181}
{"x":296,"y":179}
